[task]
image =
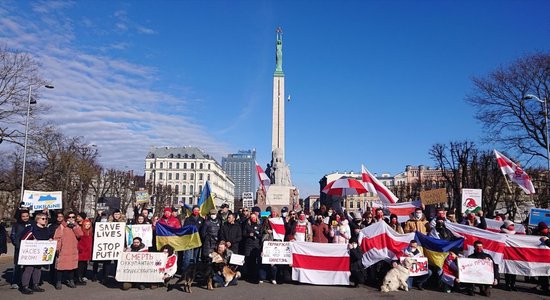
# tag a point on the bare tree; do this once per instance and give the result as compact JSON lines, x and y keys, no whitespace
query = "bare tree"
{"x":18,"y":72}
{"x":499,"y":100}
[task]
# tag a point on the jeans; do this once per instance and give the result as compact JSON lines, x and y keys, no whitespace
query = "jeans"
{"x":221,"y":281}
{"x":420,"y":280}
{"x":31,"y":271}
{"x":189,"y":256}
{"x":264,"y":269}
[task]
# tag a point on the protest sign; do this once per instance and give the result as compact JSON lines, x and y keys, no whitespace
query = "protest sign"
{"x":142,"y":197}
{"x":419,"y":266}
{"x":35,"y":252}
{"x":276,"y":253}
{"x":471,"y":200}
{"x":537,"y":215}
{"x":473,"y":270}
{"x":236,"y":259}
{"x":37,"y":200}
{"x":141,"y":267}
{"x":108,"y":240}
{"x":145,"y":232}
{"x":433,"y":196}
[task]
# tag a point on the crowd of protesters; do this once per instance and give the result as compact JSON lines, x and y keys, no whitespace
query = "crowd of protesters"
{"x":244,"y":232}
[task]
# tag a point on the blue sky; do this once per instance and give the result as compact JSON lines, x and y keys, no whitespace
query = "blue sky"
{"x":372,"y":82}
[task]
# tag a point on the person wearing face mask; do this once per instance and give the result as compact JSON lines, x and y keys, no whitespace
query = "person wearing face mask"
{"x":440,"y":213}
{"x":510,"y":279}
{"x":252,"y":236}
{"x":340,"y":231}
{"x":440,"y":231}
{"x":394,"y":224}
{"x":210,"y":233}
{"x":414,"y":251}
{"x":417,"y":222}
{"x":301,"y":229}
{"x":379,"y":215}
{"x":484,"y":289}
{"x":320,"y":230}
{"x":192,"y":255}
{"x":542,"y":230}
{"x":367,"y":218}
{"x":169,"y":220}
{"x":329,"y":215}
{"x":472,"y":220}
{"x":355,"y":227}
{"x":449,"y":272}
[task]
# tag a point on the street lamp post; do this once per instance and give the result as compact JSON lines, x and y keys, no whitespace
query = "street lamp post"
{"x":29,"y":102}
{"x":545,"y":102}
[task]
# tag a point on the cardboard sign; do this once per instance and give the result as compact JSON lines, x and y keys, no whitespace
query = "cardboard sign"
{"x":537,"y":215}
{"x":433,"y":196}
{"x":145,"y":232}
{"x":108,"y":240}
{"x":276,"y":253}
{"x":142,"y":197}
{"x":473,"y":270}
{"x":141,"y":267}
{"x":236,"y":259}
{"x":471,"y":200}
{"x":419,"y":266}
{"x":34,"y":252}
{"x":38,"y":201}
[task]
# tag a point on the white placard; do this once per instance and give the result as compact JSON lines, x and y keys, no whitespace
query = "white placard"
{"x":471,"y":200}
{"x":37,"y":200}
{"x":141,"y":267}
{"x":473,"y":270}
{"x":419,"y":266}
{"x":145,"y":232}
{"x":108,"y":240}
{"x":35,"y":252}
{"x":276,"y":253}
{"x":236,"y":259}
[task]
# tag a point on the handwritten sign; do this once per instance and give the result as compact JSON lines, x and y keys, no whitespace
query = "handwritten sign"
{"x":37,"y":200}
{"x":145,"y":232}
{"x":276,"y":253}
{"x":141,"y":267}
{"x":108,"y":240}
{"x":236,"y":259}
{"x":473,"y":270}
{"x":471,"y":200}
{"x":419,"y":266}
{"x":433,"y":196}
{"x":35,"y":252}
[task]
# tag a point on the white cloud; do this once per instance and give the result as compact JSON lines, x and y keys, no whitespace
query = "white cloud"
{"x":145,"y":30}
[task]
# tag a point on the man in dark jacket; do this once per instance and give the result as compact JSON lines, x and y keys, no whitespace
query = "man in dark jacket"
{"x":17,"y":231}
{"x":40,"y":232}
{"x":484,"y":289}
{"x":231,"y":233}
{"x":210,"y":233}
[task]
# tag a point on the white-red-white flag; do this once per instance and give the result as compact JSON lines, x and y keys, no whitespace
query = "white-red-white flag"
{"x":515,"y":173}
{"x":376,"y":187}
{"x":318,"y":263}
{"x":262,"y":177}
{"x":278,"y":228}
{"x":402,"y":210}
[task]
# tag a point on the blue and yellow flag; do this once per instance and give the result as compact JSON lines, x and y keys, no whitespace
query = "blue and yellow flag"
{"x":436,"y":250}
{"x":206,"y":200}
{"x":184,"y":238}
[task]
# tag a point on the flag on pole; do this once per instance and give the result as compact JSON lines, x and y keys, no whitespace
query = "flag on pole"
{"x":262,"y":177}
{"x":377,"y":188}
{"x":206,"y":200}
{"x":278,"y":227}
{"x":402,"y":210}
{"x":515,"y":173}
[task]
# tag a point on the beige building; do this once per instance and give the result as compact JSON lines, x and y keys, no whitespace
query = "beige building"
{"x":185,"y":171}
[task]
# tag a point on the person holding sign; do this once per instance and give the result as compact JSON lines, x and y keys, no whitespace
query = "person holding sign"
{"x":17,"y":231}
{"x":484,"y":289}
{"x":67,"y":235}
{"x":40,"y":232}
{"x":413,"y":251}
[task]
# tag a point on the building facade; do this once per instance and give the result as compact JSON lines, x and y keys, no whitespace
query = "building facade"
{"x":184,"y":171}
{"x":241,"y":167}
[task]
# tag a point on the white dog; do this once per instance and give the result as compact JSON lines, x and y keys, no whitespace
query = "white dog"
{"x":396,"y":278}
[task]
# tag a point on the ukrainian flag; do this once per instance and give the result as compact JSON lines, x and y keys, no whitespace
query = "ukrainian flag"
{"x":436,"y":250}
{"x":206,"y":200}
{"x":184,"y":238}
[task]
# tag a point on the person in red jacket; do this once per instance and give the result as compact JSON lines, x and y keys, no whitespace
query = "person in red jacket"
{"x":85,"y":244}
{"x":169,"y":220}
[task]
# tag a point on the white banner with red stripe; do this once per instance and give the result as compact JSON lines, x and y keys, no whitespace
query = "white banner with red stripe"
{"x":379,"y":242}
{"x":321,"y":264}
{"x":403,"y":210}
{"x":278,"y":227}
{"x":494,"y":226}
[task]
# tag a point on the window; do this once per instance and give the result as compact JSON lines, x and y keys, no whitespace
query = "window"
{"x":200,"y":187}
{"x":185,"y":165}
{"x":208,"y":166}
{"x":200,"y":176}
{"x":184,"y":176}
{"x":151,"y":176}
{"x":177,"y":165}
{"x":191,"y":189}
{"x":192,"y":166}
{"x":169,"y":188}
{"x":200,"y":166}
{"x":177,"y":176}
{"x":208,"y":177}
{"x":151,"y":165}
{"x":184,"y":189}
{"x":169,"y":165}
{"x":176,"y":189}
{"x":160,"y":175}
{"x":169,"y":176}
{"x":351,"y":204}
{"x":161,"y":165}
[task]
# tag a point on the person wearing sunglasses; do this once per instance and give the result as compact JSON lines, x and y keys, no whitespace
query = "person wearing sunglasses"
{"x":38,"y":231}
{"x":67,"y":235}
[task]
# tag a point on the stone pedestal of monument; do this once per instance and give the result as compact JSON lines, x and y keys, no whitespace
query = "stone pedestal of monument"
{"x":279,"y":196}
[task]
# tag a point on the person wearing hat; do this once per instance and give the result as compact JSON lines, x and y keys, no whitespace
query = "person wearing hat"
{"x":510,"y":279}
{"x":210,"y":233}
{"x":224,"y":213}
{"x":256,"y":210}
{"x":394,"y":224}
{"x":169,"y":220}
{"x":440,"y":231}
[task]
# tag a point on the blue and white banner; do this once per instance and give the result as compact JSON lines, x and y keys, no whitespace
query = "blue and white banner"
{"x":37,"y":200}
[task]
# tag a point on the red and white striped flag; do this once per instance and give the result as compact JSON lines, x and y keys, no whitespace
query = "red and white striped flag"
{"x":278,"y":227}
{"x":402,"y":210}
{"x":379,"y":242}
{"x":317,"y":263}
{"x":262,"y":177}
{"x":376,"y":187}
{"x":494,"y":226}
{"x":515,"y":173}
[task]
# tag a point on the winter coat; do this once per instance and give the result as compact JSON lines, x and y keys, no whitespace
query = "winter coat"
{"x":209,"y":234}
{"x":413,"y":225}
{"x":67,"y":246}
{"x":321,"y":232}
{"x":341,"y":234}
{"x":252,"y":236}
{"x":442,"y":233}
{"x":85,"y":244}
{"x":397,"y":228}
{"x":483,"y":255}
{"x":3,"y":239}
{"x":232,"y":233}
{"x":194,"y":220}
{"x":170,"y":222}
{"x":17,"y":232}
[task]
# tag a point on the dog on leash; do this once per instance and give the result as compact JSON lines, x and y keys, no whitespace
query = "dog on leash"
{"x":396,"y":278}
{"x":206,"y":271}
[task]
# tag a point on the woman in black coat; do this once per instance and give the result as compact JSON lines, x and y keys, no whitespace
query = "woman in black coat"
{"x":3,"y":239}
{"x":252,"y":236}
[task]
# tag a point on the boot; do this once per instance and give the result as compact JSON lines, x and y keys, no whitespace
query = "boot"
{"x":58,"y":285}
{"x":26,"y":291}
{"x":38,"y":289}
{"x":80,"y":281}
{"x":70,"y":283}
